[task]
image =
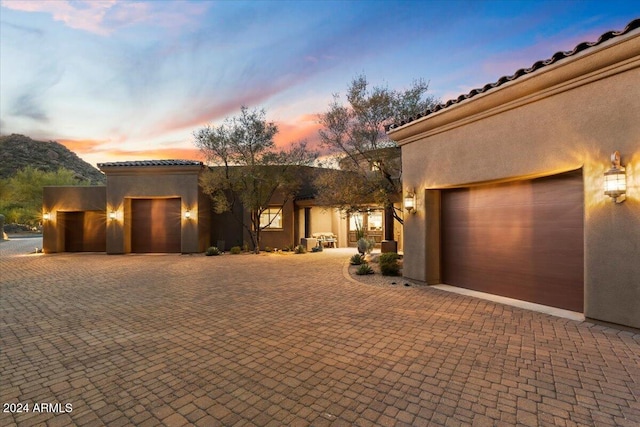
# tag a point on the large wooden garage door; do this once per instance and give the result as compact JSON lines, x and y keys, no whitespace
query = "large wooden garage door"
{"x":155,"y":225}
{"x":84,"y":231}
{"x":522,"y":240}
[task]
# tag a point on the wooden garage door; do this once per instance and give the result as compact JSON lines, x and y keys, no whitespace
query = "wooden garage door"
{"x":522,"y":240}
{"x":84,"y":231}
{"x":155,"y":225}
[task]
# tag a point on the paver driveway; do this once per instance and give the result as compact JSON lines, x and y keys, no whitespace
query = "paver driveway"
{"x":287,"y":340}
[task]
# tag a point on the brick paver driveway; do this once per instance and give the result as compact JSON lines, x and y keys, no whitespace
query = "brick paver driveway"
{"x":287,"y":340}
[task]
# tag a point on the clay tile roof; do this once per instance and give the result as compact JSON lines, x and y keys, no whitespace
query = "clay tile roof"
{"x":143,"y":163}
{"x":521,"y":72}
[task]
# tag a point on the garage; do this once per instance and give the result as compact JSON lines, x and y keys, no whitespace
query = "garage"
{"x":155,"y":225}
{"x":83,"y":231}
{"x":522,"y":240}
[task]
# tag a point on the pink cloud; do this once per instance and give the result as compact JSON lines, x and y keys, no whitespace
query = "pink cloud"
{"x":88,"y":17}
{"x":82,"y":145}
{"x":198,"y":116}
{"x":103,"y":17}
{"x":304,"y":128}
{"x":156,"y":154}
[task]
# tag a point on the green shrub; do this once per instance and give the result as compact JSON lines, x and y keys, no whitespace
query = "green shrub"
{"x":212,"y":251}
{"x":268,"y":249}
{"x":356,"y":259}
{"x":316,"y":248}
{"x":389,"y":264}
{"x":365,"y":246}
{"x":235,"y":250}
{"x":364,"y":269}
{"x":388,"y":257}
{"x":300,"y":249}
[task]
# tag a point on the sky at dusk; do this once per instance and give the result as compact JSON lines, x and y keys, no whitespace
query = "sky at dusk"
{"x":132,"y":80}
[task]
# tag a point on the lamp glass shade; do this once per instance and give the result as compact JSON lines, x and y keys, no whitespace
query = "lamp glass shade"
{"x":409,"y":202}
{"x":112,"y":215}
{"x":46,"y":216}
{"x":615,"y":182}
{"x":187,"y":214}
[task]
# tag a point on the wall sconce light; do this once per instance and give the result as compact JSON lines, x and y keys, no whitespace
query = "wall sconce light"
{"x":46,"y":216}
{"x":113,"y":215}
{"x":410,"y":201}
{"x":615,"y":180}
{"x":187,"y":214}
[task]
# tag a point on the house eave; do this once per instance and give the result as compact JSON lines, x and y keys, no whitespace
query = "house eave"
{"x":609,"y":58}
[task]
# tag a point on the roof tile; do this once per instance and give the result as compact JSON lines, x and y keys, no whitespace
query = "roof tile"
{"x":519,"y":73}
{"x":144,"y":163}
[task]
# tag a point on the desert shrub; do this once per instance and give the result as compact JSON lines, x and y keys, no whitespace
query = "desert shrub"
{"x":316,"y":248}
{"x":300,"y":249}
{"x":365,"y":246}
{"x":364,"y":269}
{"x":389,"y":264}
{"x":356,"y":259}
{"x":268,"y":249}
{"x":212,"y":251}
{"x":235,"y":250}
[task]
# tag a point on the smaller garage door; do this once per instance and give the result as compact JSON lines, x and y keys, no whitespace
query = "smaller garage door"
{"x":84,"y":231}
{"x":522,"y":240}
{"x":155,"y":225}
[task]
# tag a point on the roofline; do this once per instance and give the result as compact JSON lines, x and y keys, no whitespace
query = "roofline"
{"x":398,"y":131}
{"x":150,"y":165}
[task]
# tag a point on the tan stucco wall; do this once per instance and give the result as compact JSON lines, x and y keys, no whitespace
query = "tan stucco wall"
{"x":321,"y":220}
{"x":126,"y":183}
{"x":57,"y":199}
{"x":328,"y":220}
{"x":324,"y":219}
{"x":341,"y":228}
{"x":570,"y":115}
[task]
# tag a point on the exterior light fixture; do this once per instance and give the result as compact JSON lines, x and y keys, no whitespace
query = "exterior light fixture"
{"x":46,"y":216}
{"x":615,"y":180}
{"x":410,"y":201}
{"x":113,"y":215}
{"x":187,"y":214}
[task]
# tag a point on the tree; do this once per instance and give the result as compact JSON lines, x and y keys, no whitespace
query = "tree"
{"x":248,"y":168}
{"x":355,"y":133}
{"x":21,"y":194}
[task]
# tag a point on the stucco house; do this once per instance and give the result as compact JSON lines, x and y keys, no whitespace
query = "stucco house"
{"x":146,"y":206}
{"x":159,"y":206}
{"x":509,"y":183}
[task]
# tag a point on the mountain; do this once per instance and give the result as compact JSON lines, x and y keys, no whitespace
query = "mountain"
{"x":18,"y":151}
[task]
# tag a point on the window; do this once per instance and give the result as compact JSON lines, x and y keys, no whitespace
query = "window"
{"x":271,"y":218}
{"x":374,"y":221}
{"x":355,"y":221}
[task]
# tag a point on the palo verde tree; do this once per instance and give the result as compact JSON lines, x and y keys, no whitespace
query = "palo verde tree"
{"x":249,"y":170}
{"x":355,"y":134}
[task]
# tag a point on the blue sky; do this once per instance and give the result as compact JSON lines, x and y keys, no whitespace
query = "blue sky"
{"x":129,"y":80}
